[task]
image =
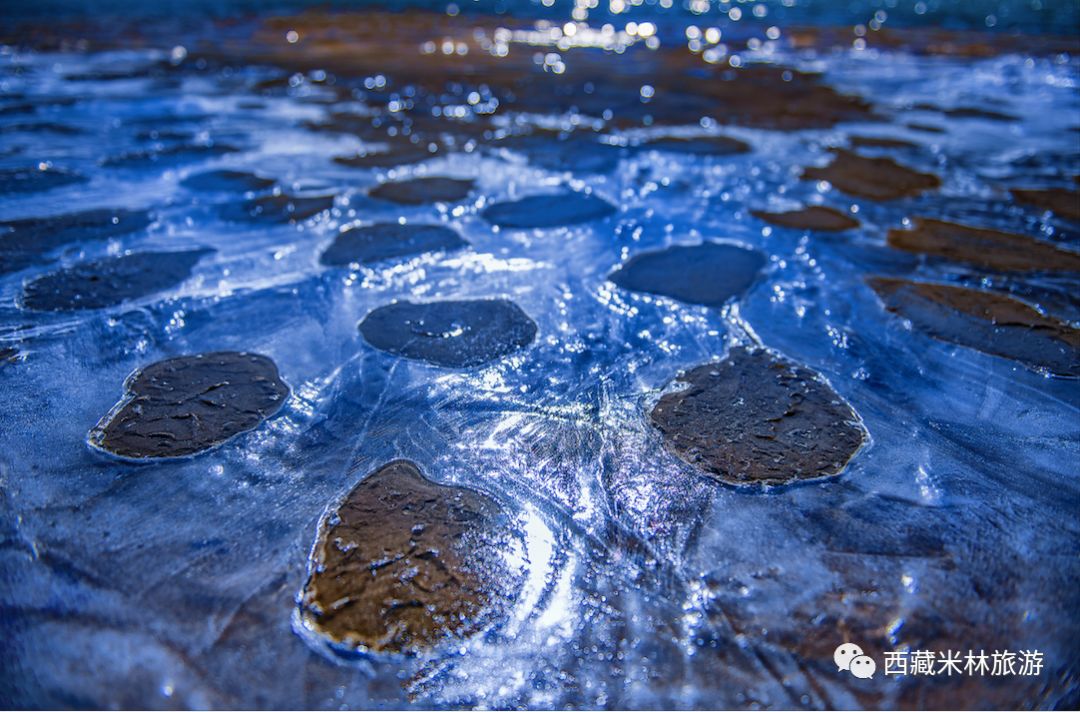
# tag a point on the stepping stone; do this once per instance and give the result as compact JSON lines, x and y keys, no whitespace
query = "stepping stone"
{"x":1062,"y":201}
{"x":383,"y":241}
{"x":109,"y":282}
{"x":419,"y":191}
{"x":709,"y":273}
{"x":873,"y":178}
{"x":815,"y":217}
{"x":24,"y":242}
{"x":279,"y":208}
{"x":226,"y":181}
{"x":993,"y":323}
{"x":185,"y":405}
{"x":171,"y":156}
{"x":991,"y":249}
{"x":36,"y":180}
{"x":698,"y":146}
{"x":404,"y":564}
{"x":880,"y":142}
{"x":757,"y":418}
{"x":572,"y":153}
{"x":548,"y":210}
{"x":453,"y":334}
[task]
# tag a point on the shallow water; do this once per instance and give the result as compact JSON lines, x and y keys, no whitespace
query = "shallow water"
{"x":646,"y":583}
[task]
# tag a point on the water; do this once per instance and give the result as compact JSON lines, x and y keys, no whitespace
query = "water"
{"x":646,"y":584}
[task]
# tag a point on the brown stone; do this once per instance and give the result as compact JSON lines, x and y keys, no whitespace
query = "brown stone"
{"x":815,"y":217}
{"x":984,"y":247}
{"x":873,"y":178}
{"x":1064,"y":202}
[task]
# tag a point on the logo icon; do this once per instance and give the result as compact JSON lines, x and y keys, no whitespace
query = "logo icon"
{"x":850,"y":657}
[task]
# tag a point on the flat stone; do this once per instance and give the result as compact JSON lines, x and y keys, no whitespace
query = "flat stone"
{"x":279,"y":208}
{"x":8,"y":356}
{"x":987,"y":248}
{"x":40,"y":127}
{"x":35,"y":180}
{"x":185,"y":405}
{"x":873,"y":178}
{"x":577,"y":154}
{"x":403,"y":565}
{"x":454,"y":334}
{"x":880,"y":142}
{"x":709,"y":273}
{"x":112,"y":281}
{"x":383,"y":241}
{"x":699,"y":145}
{"x":815,"y":217}
{"x":993,"y":323}
{"x":548,"y":210}
{"x":925,"y":128}
{"x":395,"y":155}
{"x":756,"y":418}
{"x":226,"y":181}
{"x":419,"y":191}
{"x":1063,"y":201}
{"x":24,"y":242}
{"x":170,"y":156}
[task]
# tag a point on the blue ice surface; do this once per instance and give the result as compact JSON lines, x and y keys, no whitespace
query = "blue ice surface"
{"x":172,"y":584}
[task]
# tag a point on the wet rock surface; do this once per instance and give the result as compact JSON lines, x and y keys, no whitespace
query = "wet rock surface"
{"x":1062,"y":201}
{"x":280,"y":208}
{"x":383,"y":241}
{"x":184,"y":405}
{"x":8,"y":356}
{"x":815,"y":217}
{"x":453,"y":334}
{"x":756,"y":418}
{"x":873,"y":178}
{"x":227,"y":181}
{"x":986,"y":321}
{"x":987,"y":248}
{"x":34,"y":180}
{"x":548,"y":210}
{"x":25,"y":241}
{"x":396,"y":154}
{"x":419,"y":191}
{"x":880,"y":142}
{"x":709,"y":273}
{"x":575,"y":153}
{"x":404,"y":564}
{"x":170,"y":156}
{"x":109,"y":282}
{"x":699,"y":146}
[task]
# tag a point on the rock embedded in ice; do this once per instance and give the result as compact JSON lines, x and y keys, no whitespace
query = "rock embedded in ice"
{"x":279,"y":208}
{"x":986,"y":321}
{"x":171,"y":156}
{"x":8,"y":355}
{"x":227,"y":181}
{"x":25,"y":241}
{"x":548,"y":210}
{"x":698,"y":145}
{"x":709,"y":273}
{"x":185,"y":405}
{"x":757,"y":418}
{"x":403,"y":564}
{"x":109,"y":282}
{"x":880,"y":142}
{"x":814,"y":217}
{"x":397,"y":154}
{"x":454,"y":334}
{"x":872,"y":178}
{"x":36,"y":180}
{"x":1062,"y":201}
{"x":419,"y":191}
{"x":983,"y":247}
{"x":382,"y":241}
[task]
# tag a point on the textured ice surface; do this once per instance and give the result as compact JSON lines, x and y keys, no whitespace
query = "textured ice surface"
{"x":173,"y":584}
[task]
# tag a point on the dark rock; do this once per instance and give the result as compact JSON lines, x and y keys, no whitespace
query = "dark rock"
{"x":108,"y":282}
{"x":226,"y":181}
{"x":758,"y":418}
{"x":1063,"y":201}
{"x":382,"y":241}
{"x":279,"y":208}
{"x":184,"y":405}
{"x":991,"y":249}
{"x":404,"y":564}
{"x":454,"y":334}
{"x":549,"y":210}
{"x":926,"y":128}
{"x":41,"y":127}
{"x":8,"y":355}
{"x":880,"y":142}
{"x":554,"y":152}
{"x":698,"y":146}
{"x":24,"y":242}
{"x":171,"y":156}
{"x":165,"y":135}
{"x":419,"y":191}
{"x":873,"y":178}
{"x":986,"y":321}
{"x":34,"y":180}
{"x":708,"y":273}
{"x":396,"y":155}
{"x":815,"y":217}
